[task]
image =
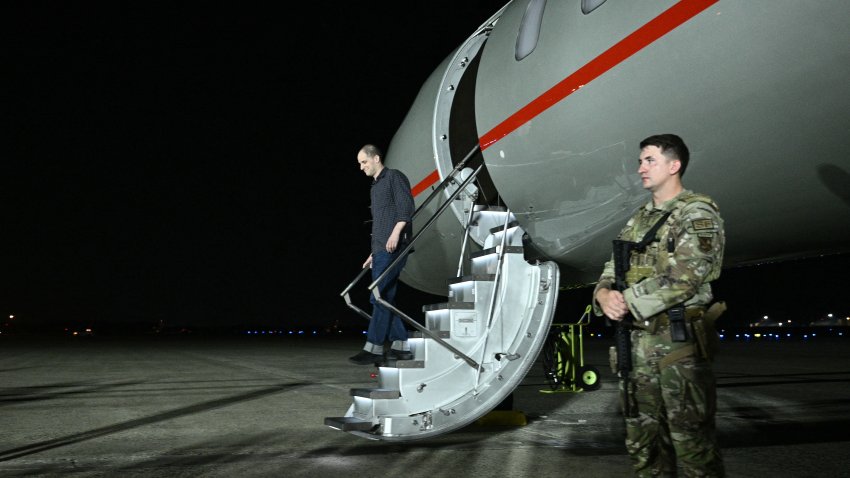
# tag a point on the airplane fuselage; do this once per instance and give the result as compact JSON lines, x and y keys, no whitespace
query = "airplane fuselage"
{"x":557,"y":101}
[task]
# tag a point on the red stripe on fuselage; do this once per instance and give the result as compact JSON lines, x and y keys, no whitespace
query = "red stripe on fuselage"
{"x":423,"y":185}
{"x":625,"y":48}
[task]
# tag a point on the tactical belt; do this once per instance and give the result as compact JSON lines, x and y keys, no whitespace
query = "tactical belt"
{"x":690,"y":313}
{"x":705,"y":336}
{"x":662,"y":319}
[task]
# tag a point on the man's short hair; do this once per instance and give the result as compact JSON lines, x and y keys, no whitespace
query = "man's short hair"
{"x":371,"y":151}
{"x":671,"y":146}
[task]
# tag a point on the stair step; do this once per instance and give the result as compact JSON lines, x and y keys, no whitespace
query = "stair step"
{"x":494,"y":230}
{"x":449,"y":305}
{"x":348,"y":424}
{"x":406,"y":363}
{"x":443,"y":334}
{"x":376,"y":393}
{"x":489,"y":208}
{"x":492,"y":250}
{"x":473,"y":277}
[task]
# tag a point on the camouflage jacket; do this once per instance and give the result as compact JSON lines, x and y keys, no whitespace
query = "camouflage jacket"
{"x":660,"y":279}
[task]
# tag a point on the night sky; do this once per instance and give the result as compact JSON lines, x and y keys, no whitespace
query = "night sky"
{"x":196,"y":165}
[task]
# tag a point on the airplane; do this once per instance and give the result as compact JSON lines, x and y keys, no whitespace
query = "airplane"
{"x":521,"y":147}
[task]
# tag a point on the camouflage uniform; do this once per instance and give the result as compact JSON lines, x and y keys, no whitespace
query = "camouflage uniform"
{"x":672,"y":402}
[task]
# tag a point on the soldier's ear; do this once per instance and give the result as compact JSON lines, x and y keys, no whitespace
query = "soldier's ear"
{"x":675,"y":166}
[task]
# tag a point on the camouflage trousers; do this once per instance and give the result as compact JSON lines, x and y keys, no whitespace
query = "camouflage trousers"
{"x":671,"y":410}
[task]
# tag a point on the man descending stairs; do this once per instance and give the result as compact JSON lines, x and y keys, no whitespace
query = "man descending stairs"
{"x":474,"y":350}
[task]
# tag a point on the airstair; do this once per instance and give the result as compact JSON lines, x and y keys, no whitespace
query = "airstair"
{"x":474,"y":349}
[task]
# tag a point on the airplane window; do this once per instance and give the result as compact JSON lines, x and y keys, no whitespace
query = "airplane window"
{"x":588,"y":6}
{"x":529,"y":29}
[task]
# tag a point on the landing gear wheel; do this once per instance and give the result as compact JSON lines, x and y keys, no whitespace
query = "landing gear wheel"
{"x":588,"y":378}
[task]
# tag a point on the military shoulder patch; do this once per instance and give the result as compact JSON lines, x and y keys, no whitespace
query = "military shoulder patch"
{"x":705,"y":243}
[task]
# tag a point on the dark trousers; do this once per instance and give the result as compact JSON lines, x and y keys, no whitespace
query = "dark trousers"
{"x":384,"y":324}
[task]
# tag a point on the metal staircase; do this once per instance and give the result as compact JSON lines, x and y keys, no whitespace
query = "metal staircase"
{"x":473,"y":350}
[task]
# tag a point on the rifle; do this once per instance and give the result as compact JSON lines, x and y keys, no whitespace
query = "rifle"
{"x":623,"y":340}
{"x":623,"y":336}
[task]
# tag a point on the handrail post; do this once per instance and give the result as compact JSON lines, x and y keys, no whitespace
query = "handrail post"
{"x":465,"y":239}
{"x":496,"y":282}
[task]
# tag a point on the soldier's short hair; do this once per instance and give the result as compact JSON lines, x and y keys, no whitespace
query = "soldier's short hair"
{"x":670,"y":145}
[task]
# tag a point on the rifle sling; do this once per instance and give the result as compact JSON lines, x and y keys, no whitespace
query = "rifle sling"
{"x":650,"y":234}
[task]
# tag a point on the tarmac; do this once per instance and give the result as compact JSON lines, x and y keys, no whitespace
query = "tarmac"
{"x":195,"y":406}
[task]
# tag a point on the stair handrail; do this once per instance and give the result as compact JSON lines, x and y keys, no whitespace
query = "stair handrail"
{"x":469,"y":360}
{"x":373,"y":286}
{"x":445,"y":182}
{"x":376,"y":290}
{"x":427,"y":225}
{"x":496,"y":283}
{"x":345,"y":293}
{"x":347,"y":297}
{"x":450,"y":178}
{"x":465,"y":239}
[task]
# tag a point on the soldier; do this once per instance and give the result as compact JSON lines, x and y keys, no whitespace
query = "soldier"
{"x":669,"y":399}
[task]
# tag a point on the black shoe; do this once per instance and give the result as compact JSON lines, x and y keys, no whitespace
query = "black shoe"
{"x":401,"y":354}
{"x":365,"y":358}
